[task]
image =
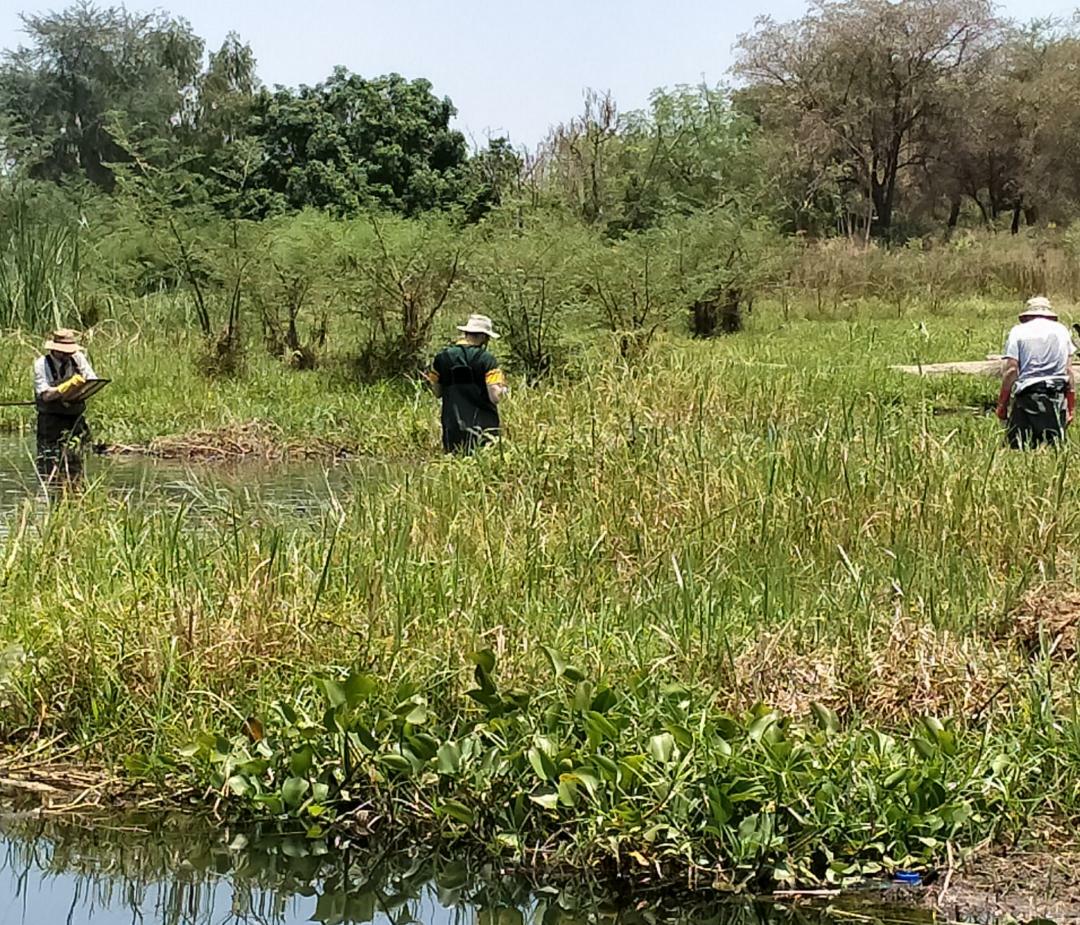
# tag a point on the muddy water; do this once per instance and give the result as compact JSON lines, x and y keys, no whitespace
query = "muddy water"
{"x":299,"y":488}
{"x":176,"y":871}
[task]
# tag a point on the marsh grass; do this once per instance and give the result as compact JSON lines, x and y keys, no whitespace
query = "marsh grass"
{"x":774,"y":518}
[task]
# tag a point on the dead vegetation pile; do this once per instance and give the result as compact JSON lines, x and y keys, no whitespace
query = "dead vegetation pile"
{"x":252,"y":440}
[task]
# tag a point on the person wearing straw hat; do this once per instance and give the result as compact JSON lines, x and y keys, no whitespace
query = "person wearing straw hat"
{"x":1038,"y":386}
{"x":466,"y":376}
{"x":62,"y":431}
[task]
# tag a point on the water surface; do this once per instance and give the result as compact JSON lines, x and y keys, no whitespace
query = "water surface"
{"x":297,"y":487}
{"x":178,"y":870}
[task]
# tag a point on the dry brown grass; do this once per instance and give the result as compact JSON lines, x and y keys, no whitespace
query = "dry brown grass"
{"x":252,"y":440}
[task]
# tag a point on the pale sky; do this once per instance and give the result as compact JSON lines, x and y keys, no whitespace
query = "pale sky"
{"x":510,"y":67}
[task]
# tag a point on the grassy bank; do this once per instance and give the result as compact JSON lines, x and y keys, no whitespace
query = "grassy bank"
{"x":602,"y":641}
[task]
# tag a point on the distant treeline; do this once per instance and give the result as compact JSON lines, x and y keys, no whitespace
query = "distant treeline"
{"x":865,"y":117}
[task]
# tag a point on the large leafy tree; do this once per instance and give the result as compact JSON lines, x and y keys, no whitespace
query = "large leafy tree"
{"x":81,"y":69}
{"x":351,"y":142}
{"x":865,"y":84}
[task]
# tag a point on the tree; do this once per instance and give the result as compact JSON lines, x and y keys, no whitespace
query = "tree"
{"x":863,"y":83}
{"x":351,"y":143}
{"x":57,"y":92}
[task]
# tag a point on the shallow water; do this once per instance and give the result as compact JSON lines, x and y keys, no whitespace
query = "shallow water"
{"x":177,"y":870}
{"x":299,"y":488}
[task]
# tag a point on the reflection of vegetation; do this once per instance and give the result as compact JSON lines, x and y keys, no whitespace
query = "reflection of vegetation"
{"x":178,"y":869}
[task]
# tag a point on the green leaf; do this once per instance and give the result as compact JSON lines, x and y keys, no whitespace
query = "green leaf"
{"x":395,"y":762}
{"x":335,"y":693}
{"x":760,"y":726}
{"x":418,"y":715}
{"x":293,"y":791}
{"x":545,"y":800}
{"x":239,"y":786}
{"x":359,"y":686}
{"x":484,"y":659}
{"x":826,"y":718}
{"x":457,"y":811}
{"x":558,"y":665}
{"x":302,"y":761}
{"x":449,"y":759}
{"x":541,"y":764}
{"x":599,"y":729}
{"x":661,"y":747}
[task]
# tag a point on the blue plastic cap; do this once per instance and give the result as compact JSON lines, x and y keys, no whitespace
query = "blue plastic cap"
{"x":908,"y":877}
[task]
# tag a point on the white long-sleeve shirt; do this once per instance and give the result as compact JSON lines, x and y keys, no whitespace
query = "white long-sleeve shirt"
{"x":48,"y":375}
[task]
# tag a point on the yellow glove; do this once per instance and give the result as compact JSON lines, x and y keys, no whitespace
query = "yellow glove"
{"x":69,"y":385}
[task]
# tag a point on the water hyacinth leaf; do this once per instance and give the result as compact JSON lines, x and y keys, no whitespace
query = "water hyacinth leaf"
{"x":728,"y":727}
{"x":586,"y":780}
{"x":608,"y":768}
{"x":558,"y":665}
{"x":541,"y":764}
{"x":358,"y":687}
{"x":896,"y":778}
{"x":335,"y":693}
{"x":661,"y":747}
{"x":360,"y":907}
{"x":484,"y":659}
{"x":604,"y":700}
{"x":545,"y":800}
{"x":599,"y":729}
{"x":449,"y":759}
{"x":925,"y":749}
{"x":395,"y":762}
{"x":761,"y":726}
{"x":302,"y":761}
{"x":424,"y":746}
{"x":682,"y":736}
{"x":293,"y":791}
{"x":826,"y":718}
{"x":418,"y":715}
{"x":456,"y":811}
{"x":567,"y":790}
{"x":239,"y":786}
{"x":452,"y":876}
{"x":271,"y":801}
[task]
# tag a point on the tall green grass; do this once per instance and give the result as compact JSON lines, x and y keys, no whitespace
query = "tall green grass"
{"x":776,"y":518}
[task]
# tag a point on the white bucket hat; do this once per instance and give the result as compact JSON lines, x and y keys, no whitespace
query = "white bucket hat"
{"x":1039,"y":307}
{"x":479,"y":324}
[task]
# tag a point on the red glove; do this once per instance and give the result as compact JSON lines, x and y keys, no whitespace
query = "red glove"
{"x":1070,"y":406}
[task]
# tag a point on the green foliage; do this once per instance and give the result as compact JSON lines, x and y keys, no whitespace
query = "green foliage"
{"x":350,"y":144}
{"x":525,"y":274}
{"x":40,"y":262}
{"x":82,"y":64}
{"x":643,"y":770}
{"x":400,"y":274}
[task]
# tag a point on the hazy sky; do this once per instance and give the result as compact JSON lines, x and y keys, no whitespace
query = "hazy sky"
{"x":510,"y":67}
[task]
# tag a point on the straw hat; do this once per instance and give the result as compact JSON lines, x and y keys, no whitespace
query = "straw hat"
{"x":64,"y":340}
{"x":1039,"y":307}
{"x":479,"y":324}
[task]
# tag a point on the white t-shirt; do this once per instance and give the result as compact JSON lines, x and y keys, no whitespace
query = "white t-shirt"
{"x":45,"y":372}
{"x":1042,"y":348}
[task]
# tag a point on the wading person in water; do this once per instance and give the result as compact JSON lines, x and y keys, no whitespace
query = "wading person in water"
{"x":468,"y":380}
{"x":62,"y":432}
{"x":1038,"y":378}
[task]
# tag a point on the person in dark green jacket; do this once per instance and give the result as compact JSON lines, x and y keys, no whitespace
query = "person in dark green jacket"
{"x":466,"y":376}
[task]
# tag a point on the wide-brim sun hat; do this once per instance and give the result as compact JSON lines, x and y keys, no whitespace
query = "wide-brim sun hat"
{"x":64,"y":340}
{"x":479,"y":324}
{"x":1038,"y":307}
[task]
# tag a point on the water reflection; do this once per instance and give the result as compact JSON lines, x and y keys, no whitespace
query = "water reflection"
{"x":175,"y":870}
{"x":301,"y":489}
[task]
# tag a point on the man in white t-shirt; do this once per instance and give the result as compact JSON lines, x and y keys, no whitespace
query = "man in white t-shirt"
{"x":1038,"y":378}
